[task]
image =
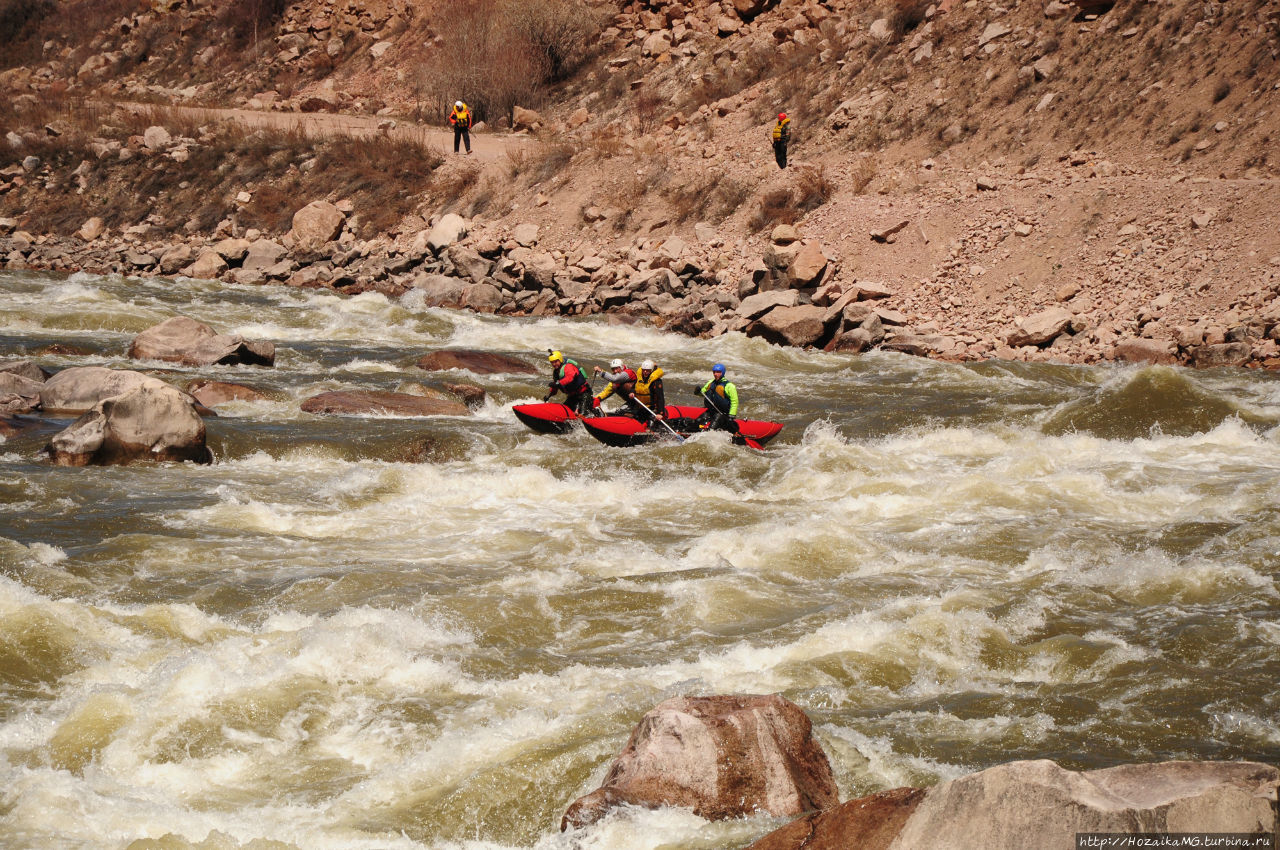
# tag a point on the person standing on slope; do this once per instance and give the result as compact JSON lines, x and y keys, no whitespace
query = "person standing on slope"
{"x":721,"y":400}
{"x":567,"y":377}
{"x":781,"y":136}
{"x":460,"y":118}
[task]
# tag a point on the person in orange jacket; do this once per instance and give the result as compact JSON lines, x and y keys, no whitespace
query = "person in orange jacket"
{"x":460,"y":118}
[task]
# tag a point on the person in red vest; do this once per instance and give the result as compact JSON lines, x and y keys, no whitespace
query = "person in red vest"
{"x":567,"y":377}
{"x":460,"y":118}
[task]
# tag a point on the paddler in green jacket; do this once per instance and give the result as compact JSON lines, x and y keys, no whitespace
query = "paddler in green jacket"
{"x":721,"y":400}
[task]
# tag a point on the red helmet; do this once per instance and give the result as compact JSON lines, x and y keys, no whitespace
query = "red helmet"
{"x":782,"y":116}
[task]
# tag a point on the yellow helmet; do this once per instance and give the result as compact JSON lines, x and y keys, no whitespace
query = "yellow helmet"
{"x":555,"y":357}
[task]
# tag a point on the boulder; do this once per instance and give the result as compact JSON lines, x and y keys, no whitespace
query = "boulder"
{"x":799,"y":326}
{"x":784,"y":234}
{"x":156,"y":138}
{"x":439,"y":290}
{"x":482,"y":298}
{"x":748,"y":9}
{"x":379,"y":403}
{"x":997,"y":808}
{"x":480,"y":362}
{"x":1042,"y":328}
{"x":721,"y":756}
{"x":186,"y":341}
{"x":262,"y":255}
{"x":472,"y":396}
{"x":24,"y":369}
{"x":919,"y":345}
{"x":524,"y":119}
{"x":868,"y":823}
{"x":174,"y":259}
{"x":207,"y":266}
{"x":525,"y":235}
{"x":214,"y":393}
{"x":232,"y":249}
{"x":80,"y":388}
{"x":469,"y":262}
{"x":315,"y":224}
{"x":754,"y":306}
{"x":18,"y":394}
{"x":808,"y":265}
{"x":1221,"y":354}
{"x":91,"y":229}
{"x":577,"y":118}
{"x":1156,"y":351}
{"x":449,"y":229}
{"x":150,"y":422}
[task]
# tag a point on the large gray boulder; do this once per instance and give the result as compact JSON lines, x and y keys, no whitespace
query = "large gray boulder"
{"x":18,"y":394}
{"x":149,"y":422}
{"x":80,"y":388}
{"x":999,"y":808}
{"x":315,"y":224}
{"x":449,"y":229}
{"x":440,"y":290}
{"x":262,"y":254}
{"x":804,"y":324}
{"x":28,"y":369}
{"x":721,"y":756}
{"x":186,"y":341}
{"x":1042,"y":328}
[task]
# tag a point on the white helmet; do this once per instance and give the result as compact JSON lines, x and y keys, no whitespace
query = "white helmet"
{"x":616,"y":364}
{"x":647,"y":366}
{"x":457,"y":104}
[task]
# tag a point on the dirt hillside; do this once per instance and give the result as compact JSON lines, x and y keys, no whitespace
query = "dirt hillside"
{"x":983,"y":164}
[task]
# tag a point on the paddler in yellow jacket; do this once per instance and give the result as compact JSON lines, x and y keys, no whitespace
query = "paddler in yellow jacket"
{"x":649,"y":390}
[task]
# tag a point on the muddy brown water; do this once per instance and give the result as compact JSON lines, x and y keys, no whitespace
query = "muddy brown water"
{"x":431,"y":633}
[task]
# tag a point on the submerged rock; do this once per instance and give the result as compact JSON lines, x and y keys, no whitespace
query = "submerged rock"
{"x":721,"y":756}
{"x":868,"y":823}
{"x":214,"y":393}
{"x":480,"y":362}
{"x":373,"y":402}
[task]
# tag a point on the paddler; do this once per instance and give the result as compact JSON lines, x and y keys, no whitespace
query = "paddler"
{"x":649,"y":391}
{"x":720,"y":397}
{"x":567,"y":377}
{"x":622,"y":381}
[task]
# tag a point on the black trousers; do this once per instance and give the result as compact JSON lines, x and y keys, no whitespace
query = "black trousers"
{"x":461,"y":134}
{"x":718,"y":421}
{"x":779,"y":153}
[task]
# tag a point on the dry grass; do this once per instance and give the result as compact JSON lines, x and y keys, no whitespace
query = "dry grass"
{"x":709,"y":198}
{"x":549,"y":160}
{"x":380,"y":175}
{"x":776,"y":207}
{"x":25,"y":25}
{"x":813,"y":188}
{"x":502,"y":53}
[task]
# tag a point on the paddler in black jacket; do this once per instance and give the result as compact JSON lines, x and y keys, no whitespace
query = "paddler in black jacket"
{"x":567,"y":377}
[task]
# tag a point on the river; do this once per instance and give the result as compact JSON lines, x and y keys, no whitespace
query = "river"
{"x":437,"y":633}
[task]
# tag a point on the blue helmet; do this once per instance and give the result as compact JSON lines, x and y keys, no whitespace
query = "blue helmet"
{"x":719,"y":367}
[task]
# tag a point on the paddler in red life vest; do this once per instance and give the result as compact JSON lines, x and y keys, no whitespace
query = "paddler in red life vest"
{"x":721,"y":400}
{"x":622,"y":381}
{"x":567,"y":377}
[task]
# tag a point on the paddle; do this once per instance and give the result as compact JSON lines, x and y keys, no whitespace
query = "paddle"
{"x":659,"y":418}
{"x":750,"y":442}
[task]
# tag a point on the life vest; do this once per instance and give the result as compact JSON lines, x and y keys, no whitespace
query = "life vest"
{"x":644,"y":385}
{"x":576,"y":384}
{"x":782,"y":130}
{"x":723,"y":394}
{"x":460,"y":117}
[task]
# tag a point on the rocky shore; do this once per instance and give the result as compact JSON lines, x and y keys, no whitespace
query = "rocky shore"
{"x":795,"y":293}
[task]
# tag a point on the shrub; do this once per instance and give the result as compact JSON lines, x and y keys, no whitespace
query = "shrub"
{"x":776,"y":207}
{"x":813,"y":188}
{"x":501,"y":53}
